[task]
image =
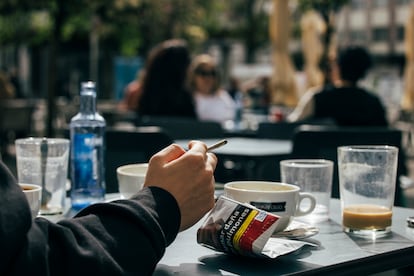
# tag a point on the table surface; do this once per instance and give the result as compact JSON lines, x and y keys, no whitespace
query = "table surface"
{"x":337,"y":254}
{"x":243,"y":146}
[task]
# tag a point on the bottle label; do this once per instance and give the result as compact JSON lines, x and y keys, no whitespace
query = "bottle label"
{"x":85,"y":157}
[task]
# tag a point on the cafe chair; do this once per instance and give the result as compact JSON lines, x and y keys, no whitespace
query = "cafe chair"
{"x":310,"y":141}
{"x":131,"y":146}
{"x":179,"y":128}
{"x":16,"y":121}
{"x":285,"y":130}
{"x":276,"y":130}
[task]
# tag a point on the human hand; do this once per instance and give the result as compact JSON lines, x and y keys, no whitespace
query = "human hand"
{"x":188,"y":176}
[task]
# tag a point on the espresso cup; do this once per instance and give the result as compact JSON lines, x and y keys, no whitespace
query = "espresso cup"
{"x":283,"y":200}
{"x":131,"y":178}
{"x":34,"y":195}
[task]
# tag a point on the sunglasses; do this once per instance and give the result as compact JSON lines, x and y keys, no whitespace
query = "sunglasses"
{"x":206,"y":73}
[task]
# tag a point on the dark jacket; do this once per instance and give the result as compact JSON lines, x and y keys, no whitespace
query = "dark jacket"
{"x":350,"y":106}
{"x":125,"y":237}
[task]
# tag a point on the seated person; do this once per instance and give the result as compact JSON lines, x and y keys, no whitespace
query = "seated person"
{"x":123,"y":237}
{"x":132,"y":94}
{"x":7,"y":90}
{"x":346,"y":103}
{"x":212,"y":102}
{"x":164,"y":91}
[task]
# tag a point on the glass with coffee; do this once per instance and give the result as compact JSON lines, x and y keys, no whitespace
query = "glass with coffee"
{"x":367,"y":179}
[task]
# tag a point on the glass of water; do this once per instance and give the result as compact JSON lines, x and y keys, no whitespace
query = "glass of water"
{"x":44,"y":162}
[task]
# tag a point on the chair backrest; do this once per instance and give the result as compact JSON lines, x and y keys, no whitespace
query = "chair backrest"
{"x":17,"y":115}
{"x":184,"y":128}
{"x":322,"y":142}
{"x":285,"y":130}
{"x":279,"y":130}
{"x":131,"y":146}
{"x":16,"y":121}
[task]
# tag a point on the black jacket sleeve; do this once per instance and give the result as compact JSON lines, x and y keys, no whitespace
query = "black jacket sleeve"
{"x":125,"y":237}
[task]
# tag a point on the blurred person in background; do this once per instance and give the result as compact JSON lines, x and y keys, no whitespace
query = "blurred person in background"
{"x":258,"y":91}
{"x":7,"y":90}
{"x":233,"y":87}
{"x":212,"y":102}
{"x":14,"y":80}
{"x":238,"y":96}
{"x":132,"y":93}
{"x":345,"y":102}
{"x":164,"y":84}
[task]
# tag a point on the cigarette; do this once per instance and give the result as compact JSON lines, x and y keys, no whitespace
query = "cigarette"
{"x":217,"y":145}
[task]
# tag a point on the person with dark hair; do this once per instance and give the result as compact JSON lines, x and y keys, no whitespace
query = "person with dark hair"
{"x":122,"y":237}
{"x":164,"y":85}
{"x":354,"y":63}
{"x":345,"y":102}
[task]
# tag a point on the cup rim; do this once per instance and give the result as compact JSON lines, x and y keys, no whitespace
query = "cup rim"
{"x":229,"y":186}
{"x":34,"y":187}
{"x":368,"y":148}
{"x":317,"y":162}
{"x":121,"y":169}
{"x":38,"y":141}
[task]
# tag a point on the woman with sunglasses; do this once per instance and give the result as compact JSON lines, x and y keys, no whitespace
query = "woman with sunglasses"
{"x":212,"y":102}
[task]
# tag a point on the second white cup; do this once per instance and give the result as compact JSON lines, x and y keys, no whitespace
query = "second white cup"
{"x":283,"y":200}
{"x":34,"y":195}
{"x":131,"y":178}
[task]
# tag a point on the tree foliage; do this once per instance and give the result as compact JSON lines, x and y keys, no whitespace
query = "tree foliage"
{"x":132,"y":26}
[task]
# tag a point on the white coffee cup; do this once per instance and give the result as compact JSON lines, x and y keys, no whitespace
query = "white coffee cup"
{"x":131,"y":178}
{"x":283,"y":200}
{"x":34,"y":195}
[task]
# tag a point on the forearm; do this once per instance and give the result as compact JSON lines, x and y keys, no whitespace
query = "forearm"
{"x":119,"y":238}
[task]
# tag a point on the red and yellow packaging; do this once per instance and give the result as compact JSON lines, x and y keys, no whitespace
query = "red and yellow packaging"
{"x":236,"y":228}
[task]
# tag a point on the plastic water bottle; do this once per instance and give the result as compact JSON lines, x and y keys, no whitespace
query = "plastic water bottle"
{"x":87,"y":129}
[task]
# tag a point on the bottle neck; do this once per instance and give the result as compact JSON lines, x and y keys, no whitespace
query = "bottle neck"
{"x":87,"y":103}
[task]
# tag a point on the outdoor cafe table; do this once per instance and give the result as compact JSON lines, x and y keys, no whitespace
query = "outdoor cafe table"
{"x":252,"y":153}
{"x":337,"y":254}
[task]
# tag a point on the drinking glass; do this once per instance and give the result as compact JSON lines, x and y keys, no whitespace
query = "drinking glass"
{"x":44,"y":162}
{"x":367,"y":180}
{"x":313,"y":176}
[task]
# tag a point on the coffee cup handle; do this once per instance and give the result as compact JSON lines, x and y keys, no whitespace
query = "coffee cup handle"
{"x":302,"y":196}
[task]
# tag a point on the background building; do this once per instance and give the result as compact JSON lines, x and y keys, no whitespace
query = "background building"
{"x":379,"y":26}
{"x":376,"y":24}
